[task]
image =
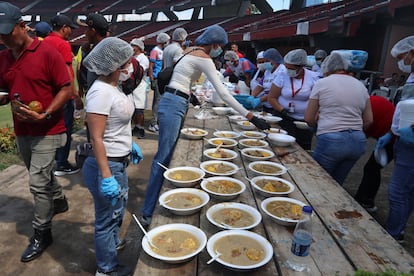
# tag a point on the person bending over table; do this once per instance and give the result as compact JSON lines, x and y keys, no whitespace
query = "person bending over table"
{"x":174,"y":105}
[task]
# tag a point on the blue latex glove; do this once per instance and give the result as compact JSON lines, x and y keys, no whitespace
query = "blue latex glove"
{"x":383,"y":140}
{"x":254,"y":102}
{"x":110,"y":188}
{"x":407,"y":135}
{"x":136,"y":154}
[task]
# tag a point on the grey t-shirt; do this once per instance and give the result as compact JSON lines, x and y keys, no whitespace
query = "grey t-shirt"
{"x":171,"y":54}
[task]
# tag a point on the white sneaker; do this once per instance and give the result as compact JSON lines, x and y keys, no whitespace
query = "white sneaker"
{"x":153,"y":128}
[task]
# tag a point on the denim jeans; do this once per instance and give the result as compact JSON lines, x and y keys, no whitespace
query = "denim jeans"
{"x":108,"y":218}
{"x":62,"y":153}
{"x":38,"y":154}
{"x":401,"y":189}
{"x":171,"y":112}
{"x":155,"y":101}
{"x":337,"y":152}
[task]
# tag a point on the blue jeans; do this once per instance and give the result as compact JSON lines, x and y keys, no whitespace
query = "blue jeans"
{"x":401,"y":189}
{"x":62,"y":153}
{"x":171,"y":112}
{"x":337,"y":152}
{"x":108,"y":218}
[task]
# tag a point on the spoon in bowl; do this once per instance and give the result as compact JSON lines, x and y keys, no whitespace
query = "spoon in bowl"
{"x":215,"y":257}
{"x":162,"y":166}
{"x":144,"y":231}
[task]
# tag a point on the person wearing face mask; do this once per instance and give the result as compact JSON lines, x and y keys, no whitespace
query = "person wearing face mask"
{"x":289,"y":95}
{"x":401,"y":185}
{"x":257,"y":78}
{"x":108,"y":113}
{"x":241,"y":68}
{"x":273,"y":66}
{"x":174,"y":105}
{"x":319,"y":55}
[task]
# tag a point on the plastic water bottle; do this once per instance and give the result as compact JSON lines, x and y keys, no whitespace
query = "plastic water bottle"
{"x":302,"y":239}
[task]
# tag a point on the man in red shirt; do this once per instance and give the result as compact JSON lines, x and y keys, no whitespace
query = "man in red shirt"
{"x":32,"y":70}
{"x":58,"y":38}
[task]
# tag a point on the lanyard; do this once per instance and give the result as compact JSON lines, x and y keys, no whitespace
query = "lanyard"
{"x":293,"y":89}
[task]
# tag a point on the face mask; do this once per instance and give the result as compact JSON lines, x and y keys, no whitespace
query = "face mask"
{"x":124,"y":76}
{"x":261,"y":67}
{"x":292,"y":73}
{"x":404,"y":67}
{"x":268,"y":66}
{"x":216,"y":52}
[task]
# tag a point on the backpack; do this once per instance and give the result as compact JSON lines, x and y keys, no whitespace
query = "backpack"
{"x":130,"y":84}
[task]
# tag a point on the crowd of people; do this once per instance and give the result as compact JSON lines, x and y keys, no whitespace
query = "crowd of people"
{"x":115,"y":77}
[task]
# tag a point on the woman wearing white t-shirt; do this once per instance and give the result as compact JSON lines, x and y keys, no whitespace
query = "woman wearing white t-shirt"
{"x":290,"y":93}
{"x":340,"y":106}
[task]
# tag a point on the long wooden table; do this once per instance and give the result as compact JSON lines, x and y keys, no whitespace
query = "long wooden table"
{"x":345,"y":236}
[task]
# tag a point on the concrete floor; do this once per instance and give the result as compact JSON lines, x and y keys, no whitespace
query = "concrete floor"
{"x":72,"y":252}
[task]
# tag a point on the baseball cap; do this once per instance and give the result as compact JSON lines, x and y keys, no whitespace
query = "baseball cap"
{"x":61,"y":20}
{"x":43,"y":27}
{"x":96,"y":21}
{"x":138,"y":42}
{"x":10,"y":15}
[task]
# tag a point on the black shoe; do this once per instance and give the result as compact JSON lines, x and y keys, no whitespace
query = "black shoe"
{"x":141,"y":133}
{"x":121,"y":270}
{"x":371,"y":208}
{"x":60,"y":205}
{"x":121,"y":245}
{"x":67,"y":169}
{"x":38,"y":243}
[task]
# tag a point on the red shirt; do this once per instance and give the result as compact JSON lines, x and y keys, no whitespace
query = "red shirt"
{"x":382,"y":111}
{"x":63,"y":48}
{"x":38,"y":74}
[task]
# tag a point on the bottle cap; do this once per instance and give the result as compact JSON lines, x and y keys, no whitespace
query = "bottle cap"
{"x":307,"y":209}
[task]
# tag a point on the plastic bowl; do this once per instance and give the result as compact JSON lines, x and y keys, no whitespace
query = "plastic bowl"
{"x":236,"y":118}
{"x":221,"y":110}
{"x":253,"y":134}
{"x":281,"y":169}
{"x":281,"y":220}
{"x":253,"y":143}
{"x":223,"y":196}
{"x":266,"y":154}
{"x":214,"y":163}
{"x":264,"y":192}
{"x":184,"y":183}
{"x":246,"y":125}
{"x":272,"y":119}
{"x":257,"y":217}
{"x":194,"y":133}
{"x":197,"y":232}
{"x":205,"y":198}
{"x":277,"y":130}
{"x":227,"y":142}
{"x":301,"y":125}
{"x":281,"y":140}
{"x":221,"y":152}
{"x":226,"y":134}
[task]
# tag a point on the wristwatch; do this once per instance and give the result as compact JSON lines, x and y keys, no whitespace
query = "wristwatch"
{"x":48,"y":115}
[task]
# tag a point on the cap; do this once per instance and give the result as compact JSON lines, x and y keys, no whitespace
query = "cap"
{"x":179,"y":34}
{"x":139,"y":43}
{"x":96,"y":21}
{"x":62,"y":20}
{"x":212,"y":35}
{"x":260,"y":55}
{"x":42,"y":27}
{"x":273,"y":55}
{"x":10,"y":15}
{"x":163,"y":38}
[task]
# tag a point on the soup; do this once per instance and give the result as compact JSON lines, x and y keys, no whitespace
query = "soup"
{"x":183,"y":175}
{"x":266,"y":168}
{"x":175,"y":243}
{"x":252,"y":134}
{"x":183,"y":200}
{"x":272,"y":185}
{"x":221,"y":154}
{"x":257,"y":153}
{"x":253,"y":143}
{"x":246,"y":123}
{"x":197,"y":132}
{"x":224,"y":142}
{"x":219,"y":168}
{"x":223,"y":187}
{"x":233,"y":217}
{"x":284,"y":209}
{"x":239,"y":250}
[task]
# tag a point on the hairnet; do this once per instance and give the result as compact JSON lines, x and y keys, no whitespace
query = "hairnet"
{"x":163,"y":38}
{"x":403,"y":46}
{"x":231,"y":55}
{"x":407,"y":92}
{"x":108,"y":56}
{"x":334,"y":62}
{"x":139,"y":43}
{"x":320,"y":54}
{"x":179,"y":34}
{"x":259,"y":55}
{"x":273,"y":55}
{"x":212,"y":35}
{"x":296,"y":57}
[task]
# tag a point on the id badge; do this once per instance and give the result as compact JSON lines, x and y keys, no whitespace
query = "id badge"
{"x":292,"y":107}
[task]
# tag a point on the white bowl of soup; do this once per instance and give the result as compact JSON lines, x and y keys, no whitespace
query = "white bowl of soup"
{"x":177,"y":242}
{"x":184,"y":201}
{"x":236,"y":118}
{"x":256,"y":154}
{"x":233,"y":215}
{"x":219,"y":168}
{"x":226,"y":142}
{"x":272,"y":119}
{"x":283,"y":210}
{"x":246,"y":125}
{"x":222,"y":187}
{"x":194,"y":133}
{"x":184,"y":177}
{"x":253,"y":134}
{"x":281,"y":140}
{"x":267,"y":168}
{"x":226,"y":134}
{"x":277,"y":130}
{"x":240,"y":250}
{"x":272,"y":185}
{"x":221,"y":110}
{"x":220,"y":154}
{"x":253,"y":143}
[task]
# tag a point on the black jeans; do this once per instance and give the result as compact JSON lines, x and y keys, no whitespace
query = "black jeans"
{"x":371,"y":178}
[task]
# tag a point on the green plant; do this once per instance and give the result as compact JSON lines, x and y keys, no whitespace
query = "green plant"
{"x":7,"y":140}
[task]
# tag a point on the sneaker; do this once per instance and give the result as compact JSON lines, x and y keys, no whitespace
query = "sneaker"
{"x":67,"y":169}
{"x":371,"y":208}
{"x":145,"y":221}
{"x":60,"y":205}
{"x":153,"y":128}
{"x":121,"y":270}
{"x":121,"y":245}
{"x":141,"y":133}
